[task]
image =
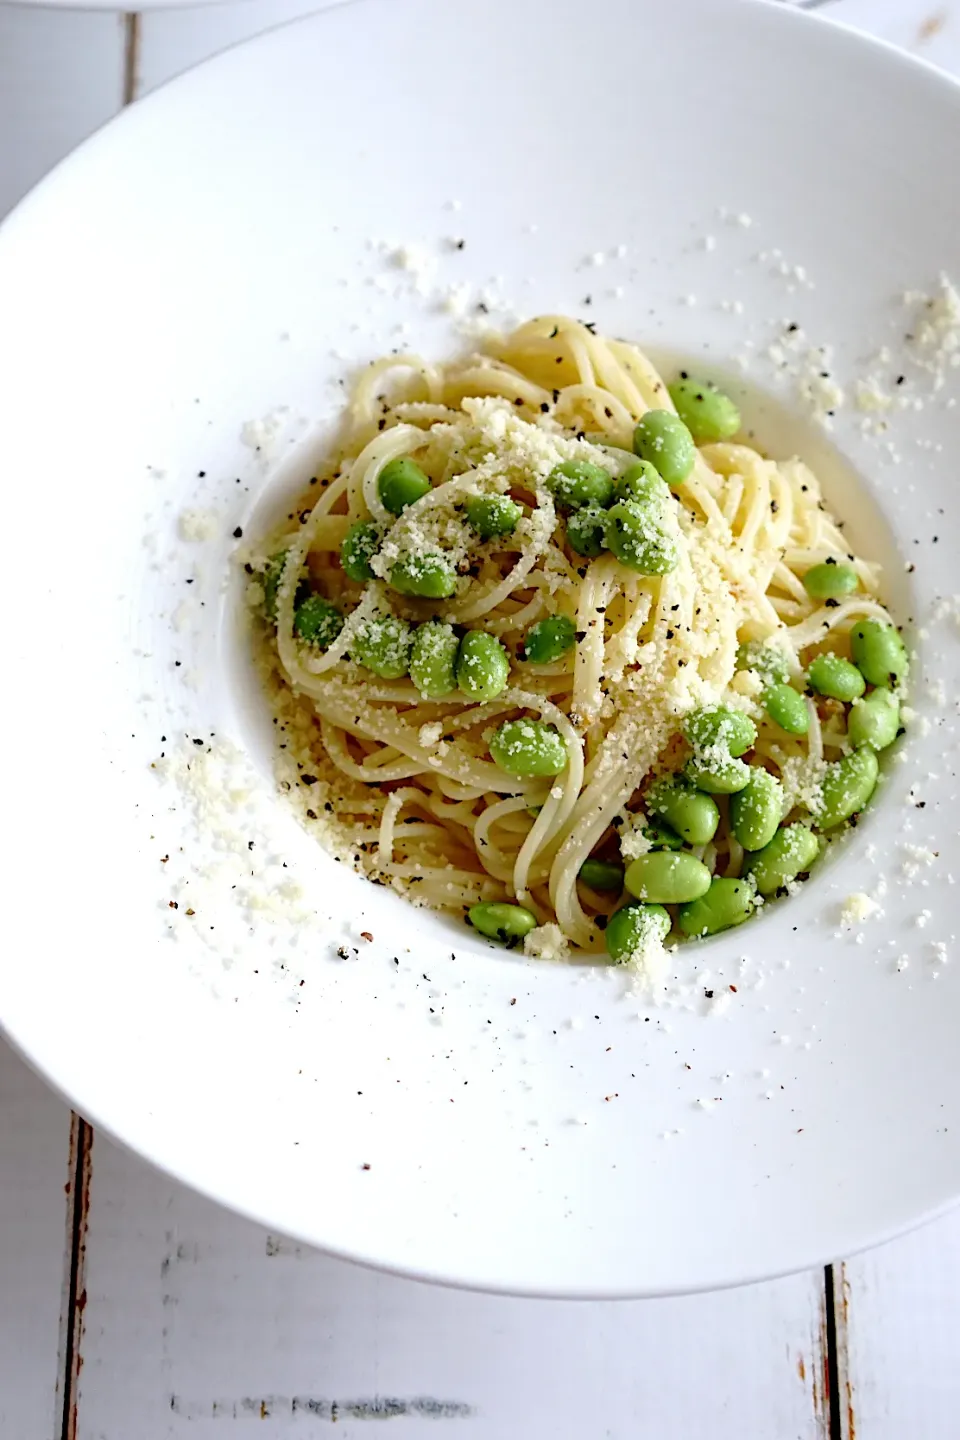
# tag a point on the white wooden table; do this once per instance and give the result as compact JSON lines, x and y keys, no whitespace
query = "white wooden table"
{"x":130,"y":1309}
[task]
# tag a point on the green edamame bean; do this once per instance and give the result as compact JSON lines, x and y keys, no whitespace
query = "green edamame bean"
{"x":272,"y":575}
{"x":428,"y":576}
{"x":360,"y":544}
{"x":528,"y":748}
{"x":875,"y":720}
{"x":769,"y":662}
{"x":483,"y":666}
{"x":631,"y":930}
{"x":636,"y":535}
{"x":317,"y":622}
{"x":576,"y":483}
{"x":506,"y":923}
{"x":718,"y":725}
{"x":493,"y":515}
{"x":641,"y":482}
{"x":383,"y":645}
{"x":667,"y":877}
{"x":662,"y":438}
{"x":833,"y":676}
{"x":549,"y":639}
{"x":400,"y":483}
{"x":846,"y":787}
{"x":602,"y":875}
{"x":790,"y":853}
{"x":707,"y":412}
{"x":718,"y":775}
{"x":691,"y":814}
{"x":586,"y":531}
{"x":661,"y":837}
{"x":433,"y":660}
{"x":878,"y":652}
{"x":787,"y":708}
{"x":830,"y":580}
{"x":756,"y":812}
{"x":727,"y":903}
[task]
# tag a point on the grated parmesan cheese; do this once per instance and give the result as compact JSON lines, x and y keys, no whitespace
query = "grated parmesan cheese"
{"x":196,"y":526}
{"x":547,"y":942}
{"x":857,"y":908}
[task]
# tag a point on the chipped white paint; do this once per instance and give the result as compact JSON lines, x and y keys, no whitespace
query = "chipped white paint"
{"x":196,"y":1319}
{"x":197,"y":1322}
{"x":900,"y":1308}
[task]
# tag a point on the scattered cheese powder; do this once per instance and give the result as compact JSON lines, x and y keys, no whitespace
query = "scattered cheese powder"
{"x":857,"y":908}
{"x":196,"y":526}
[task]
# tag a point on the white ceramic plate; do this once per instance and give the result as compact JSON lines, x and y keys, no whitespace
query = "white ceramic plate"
{"x":206,"y":259}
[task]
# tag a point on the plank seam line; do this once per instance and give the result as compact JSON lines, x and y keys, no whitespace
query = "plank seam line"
{"x":833,"y":1361}
{"x":81,"y":1148}
{"x":131,"y":56}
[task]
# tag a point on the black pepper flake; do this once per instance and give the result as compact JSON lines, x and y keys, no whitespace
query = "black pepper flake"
{"x":544,"y":407}
{"x":311,"y":814}
{"x":342,"y":952}
{"x":709,"y":994}
{"x":197,"y":741}
{"x":831,"y":604}
{"x":590,"y":325}
{"x":458,"y":245}
{"x":308,"y":779}
{"x":238,"y":533}
{"x":579,"y":635}
{"x":792,"y":328}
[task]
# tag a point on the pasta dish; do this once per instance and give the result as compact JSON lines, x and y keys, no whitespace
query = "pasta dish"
{"x":550,"y":648}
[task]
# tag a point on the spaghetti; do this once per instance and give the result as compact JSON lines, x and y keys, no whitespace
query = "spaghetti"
{"x":407,"y":780}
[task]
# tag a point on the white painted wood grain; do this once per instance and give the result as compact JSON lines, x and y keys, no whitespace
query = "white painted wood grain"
{"x":928,"y":28}
{"x":899,"y":1307}
{"x":60,"y":78}
{"x":197,"y":1322}
{"x":34,"y":1168}
{"x":172,"y":40}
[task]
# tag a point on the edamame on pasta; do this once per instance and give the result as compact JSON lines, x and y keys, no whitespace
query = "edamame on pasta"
{"x":551,"y":647}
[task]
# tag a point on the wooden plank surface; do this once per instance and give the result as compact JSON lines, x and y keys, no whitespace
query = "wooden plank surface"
{"x":898,"y":1318}
{"x":35,"y":1171}
{"x":60,"y":78}
{"x":197,"y":1322}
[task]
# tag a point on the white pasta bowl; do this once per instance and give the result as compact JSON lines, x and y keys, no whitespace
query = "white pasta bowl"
{"x":182,"y":302}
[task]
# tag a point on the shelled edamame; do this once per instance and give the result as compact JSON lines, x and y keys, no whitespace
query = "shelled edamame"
{"x":540,"y":650}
